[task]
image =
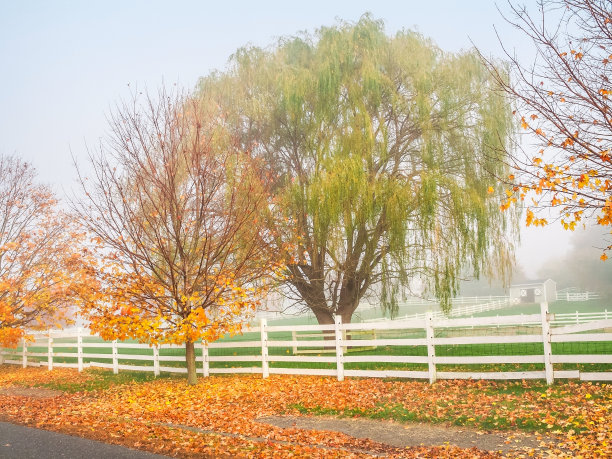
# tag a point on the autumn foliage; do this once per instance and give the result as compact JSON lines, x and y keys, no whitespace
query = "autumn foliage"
{"x":563,"y":101}
{"x":172,"y":207}
{"x":41,"y":263}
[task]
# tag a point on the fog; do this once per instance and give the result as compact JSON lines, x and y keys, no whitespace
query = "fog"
{"x":581,"y":265}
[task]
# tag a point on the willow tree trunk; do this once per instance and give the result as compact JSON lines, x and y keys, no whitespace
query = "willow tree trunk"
{"x":190,"y":358}
{"x":325,"y":317}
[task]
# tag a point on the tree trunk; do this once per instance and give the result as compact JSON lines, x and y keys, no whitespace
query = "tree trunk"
{"x":346,"y":319}
{"x":346,"y":316}
{"x":190,"y":358}
{"x":349,"y":300}
{"x":325,"y":317}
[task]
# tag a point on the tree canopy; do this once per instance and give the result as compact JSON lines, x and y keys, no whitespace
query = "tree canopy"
{"x":383,"y":154}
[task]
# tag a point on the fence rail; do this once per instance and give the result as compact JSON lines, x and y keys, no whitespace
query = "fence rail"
{"x":390,"y":342}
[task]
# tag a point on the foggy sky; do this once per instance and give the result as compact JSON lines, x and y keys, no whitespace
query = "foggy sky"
{"x":65,"y":64}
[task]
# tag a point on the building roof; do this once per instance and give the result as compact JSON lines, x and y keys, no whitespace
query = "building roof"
{"x":533,"y":283}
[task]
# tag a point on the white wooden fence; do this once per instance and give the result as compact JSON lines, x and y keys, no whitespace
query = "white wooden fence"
{"x":428,"y":333}
{"x":458,"y":300}
{"x":579,"y":317}
{"x":558,"y":319}
{"x":501,"y":302}
{"x":576,"y":294}
{"x":579,"y":296}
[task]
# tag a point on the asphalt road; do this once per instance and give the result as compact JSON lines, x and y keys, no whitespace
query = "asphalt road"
{"x":19,"y":442}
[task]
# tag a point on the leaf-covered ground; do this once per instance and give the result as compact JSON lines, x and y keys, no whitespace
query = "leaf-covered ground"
{"x":218,"y":417}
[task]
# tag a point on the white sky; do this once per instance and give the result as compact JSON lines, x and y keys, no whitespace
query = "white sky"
{"x":65,"y":64}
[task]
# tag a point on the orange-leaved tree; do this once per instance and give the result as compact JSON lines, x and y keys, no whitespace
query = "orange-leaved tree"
{"x":173,"y":207}
{"x":41,"y":263}
{"x":563,"y":100}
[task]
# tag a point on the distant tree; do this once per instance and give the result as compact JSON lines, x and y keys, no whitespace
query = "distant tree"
{"x":471,"y":286}
{"x":580,"y":266}
{"x":383,"y":153}
{"x":40,"y":258}
{"x":563,"y":100}
{"x":173,"y":206}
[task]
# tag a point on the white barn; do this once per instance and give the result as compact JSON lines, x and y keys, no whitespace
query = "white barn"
{"x":536,"y":291}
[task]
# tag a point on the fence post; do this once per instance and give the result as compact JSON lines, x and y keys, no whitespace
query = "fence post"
{"x":156,"y":360}
{"x":205,"y":360}
{"x":115,"y":358}
{"x":265,"y":368}
{"x":80,"y":348}
{"x":1,"y":356}
{"x":431,"y":349}
{"x":294,"y":339}
{"x":24,"y":354}
{"x":548,"y":366}
{"x":606,"y":314}
{"x":50,"y":353}
{"x":339,"y":353}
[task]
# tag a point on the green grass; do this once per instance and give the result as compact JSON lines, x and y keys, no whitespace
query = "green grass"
{"x":399,"y":413}
{"x":103,"y":379}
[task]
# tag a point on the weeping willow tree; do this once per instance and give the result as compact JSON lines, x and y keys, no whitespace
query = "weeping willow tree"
{"x":384,"y":154}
